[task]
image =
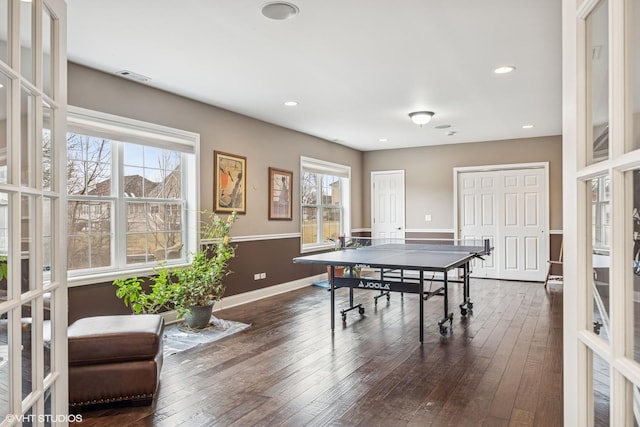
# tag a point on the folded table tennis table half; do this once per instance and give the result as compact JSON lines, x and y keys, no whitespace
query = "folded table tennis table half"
{"x":401,"y":267}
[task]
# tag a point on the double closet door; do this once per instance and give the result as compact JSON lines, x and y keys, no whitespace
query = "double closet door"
{"x":509,"y":207}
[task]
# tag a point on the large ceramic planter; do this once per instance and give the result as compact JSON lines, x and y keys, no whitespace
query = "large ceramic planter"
{"x":341,"y":271}
{"x":198,"y":316}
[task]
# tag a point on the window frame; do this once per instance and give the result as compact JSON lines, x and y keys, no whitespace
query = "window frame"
{"x":325,"y":168}
{"x":121,"y":130}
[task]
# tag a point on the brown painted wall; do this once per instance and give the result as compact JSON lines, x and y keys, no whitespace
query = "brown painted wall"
{"x":273,"y":257}
{"x":263,"y":144}
{"x":429,"y":175}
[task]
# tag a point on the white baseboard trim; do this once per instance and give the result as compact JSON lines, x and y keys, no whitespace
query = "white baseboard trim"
{"x":247,"y":297}
{"x":170,"y":317}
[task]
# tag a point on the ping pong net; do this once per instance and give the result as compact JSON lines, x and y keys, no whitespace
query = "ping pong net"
{"x":479,"y":247}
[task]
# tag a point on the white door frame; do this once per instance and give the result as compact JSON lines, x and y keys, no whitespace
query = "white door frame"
{"x":34,"y":210}
{"x":373,"y":192}
{"x":544,"y":253}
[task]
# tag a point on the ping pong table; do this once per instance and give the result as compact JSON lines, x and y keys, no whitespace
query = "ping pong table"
{"x":401,"y":267}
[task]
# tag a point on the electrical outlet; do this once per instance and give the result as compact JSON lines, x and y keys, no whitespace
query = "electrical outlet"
{"x":427,"y":217}
{"x":256,"y":276}
{"x":263,"y":275}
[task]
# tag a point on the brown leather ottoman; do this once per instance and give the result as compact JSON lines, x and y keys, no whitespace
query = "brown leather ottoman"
{"x":115,"y":358}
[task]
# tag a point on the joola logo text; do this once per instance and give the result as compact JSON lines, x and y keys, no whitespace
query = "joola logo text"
{"x":374,"y":285}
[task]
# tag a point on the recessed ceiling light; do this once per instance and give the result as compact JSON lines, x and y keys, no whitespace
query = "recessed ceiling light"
{"x":383,"y":140}
{"x":504,"y":70}
{"x":527,"y":126}
{"x":280,"y":11}
{"x":290,"y":103}
{"x":1,"y":85}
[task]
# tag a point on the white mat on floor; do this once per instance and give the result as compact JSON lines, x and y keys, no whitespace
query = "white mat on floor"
{"x":178,"y":338}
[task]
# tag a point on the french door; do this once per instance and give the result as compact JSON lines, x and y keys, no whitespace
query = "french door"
{"x":601,"y":212}
{"x":33,"y":292}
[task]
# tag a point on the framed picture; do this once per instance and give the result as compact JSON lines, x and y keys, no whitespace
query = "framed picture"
{"x":229,"y":183}
{"x":280,"y":194}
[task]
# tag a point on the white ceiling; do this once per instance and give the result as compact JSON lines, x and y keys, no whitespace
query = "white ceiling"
{"x":357,"y":68}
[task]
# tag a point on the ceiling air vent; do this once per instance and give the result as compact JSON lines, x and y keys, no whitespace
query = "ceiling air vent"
{"x":133,"y":76}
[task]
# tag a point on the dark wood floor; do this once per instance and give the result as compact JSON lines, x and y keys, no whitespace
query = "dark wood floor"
{"x":501,"y":366}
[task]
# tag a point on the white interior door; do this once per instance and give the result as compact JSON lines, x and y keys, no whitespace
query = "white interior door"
{"x":523,"y":232}
{"x":509,"y":207}
{"x":478,"y":217}
{"x":387,"y":204}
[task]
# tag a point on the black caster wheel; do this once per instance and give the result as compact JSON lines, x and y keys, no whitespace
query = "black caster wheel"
{"x":388,"y":297}
{"x":361,"y":310}
{"x":344,"y":317}
{"x":463,"y":311}
{"x":470,"y":305}
{"x":443,"y":330}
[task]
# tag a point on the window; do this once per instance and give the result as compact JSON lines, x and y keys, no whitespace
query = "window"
{"x":325,"y":202}
{"x":131,"y":194}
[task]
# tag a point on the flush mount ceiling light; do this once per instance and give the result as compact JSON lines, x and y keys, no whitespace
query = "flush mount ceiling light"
{"x":280,"y":11}
{"x":290,"y":103}
{"x":504,"y":70}
{"x":421,"y":117}
{"x":527,"y":126}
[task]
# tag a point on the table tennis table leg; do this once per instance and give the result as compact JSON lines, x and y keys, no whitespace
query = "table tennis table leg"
{"x":447,"y":316}
{"x":466,"y":305}
{"x":421,"y":301}
{"x":333,"y":299}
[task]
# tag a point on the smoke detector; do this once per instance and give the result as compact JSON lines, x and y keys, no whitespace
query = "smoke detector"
{"x":280,"y":11}
{"x":133,"y":76}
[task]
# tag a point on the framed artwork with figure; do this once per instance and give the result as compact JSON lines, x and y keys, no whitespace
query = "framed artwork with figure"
{"x":280,"y":194}
{"x":229,"y":183}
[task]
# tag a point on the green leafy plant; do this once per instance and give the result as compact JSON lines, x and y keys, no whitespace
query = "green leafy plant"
{"x":161,"y":295}
{"x":201,"y":282}
{"x":4,"y":269}
{"x":198,"y":284}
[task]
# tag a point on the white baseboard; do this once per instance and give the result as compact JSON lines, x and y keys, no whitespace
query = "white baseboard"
{"x":169,"y":317}
{"x":247,"y":297}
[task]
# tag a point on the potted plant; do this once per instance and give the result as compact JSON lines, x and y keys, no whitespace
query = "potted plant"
{"x":192,"y":289}
{"x":200,"y":284}
{"x":339,"y":270}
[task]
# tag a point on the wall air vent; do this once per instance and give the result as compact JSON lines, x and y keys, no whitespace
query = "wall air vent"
{"x":133,"y":76}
